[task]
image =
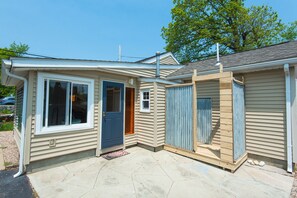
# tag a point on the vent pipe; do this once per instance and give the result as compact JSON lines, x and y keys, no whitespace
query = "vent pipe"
{"x":218,"y":64}
{"x":158,"y":64}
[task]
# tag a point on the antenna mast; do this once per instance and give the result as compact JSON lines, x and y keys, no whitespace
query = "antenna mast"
{"x":120,"y":53}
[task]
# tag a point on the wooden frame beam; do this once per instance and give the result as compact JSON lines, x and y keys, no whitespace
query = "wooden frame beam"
{"x":212,"y":76}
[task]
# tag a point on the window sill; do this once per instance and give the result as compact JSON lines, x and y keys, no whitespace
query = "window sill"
{"x":65,"y":130}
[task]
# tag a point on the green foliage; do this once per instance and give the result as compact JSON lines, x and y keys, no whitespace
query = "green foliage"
{"x":6,"y":111}
{"x":198,"y":24}
{"x":6,"y":126}
{"x":14,"y":50}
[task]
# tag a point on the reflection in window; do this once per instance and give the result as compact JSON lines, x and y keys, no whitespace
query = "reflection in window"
{"x":65,"y":103}
{"x":113,"y":99}
{"x":79,"y":103}
{"x":57,"y":102}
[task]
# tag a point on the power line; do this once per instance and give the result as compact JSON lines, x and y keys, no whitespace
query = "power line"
{"x":37,"y":55}
{"x":138,"y":57}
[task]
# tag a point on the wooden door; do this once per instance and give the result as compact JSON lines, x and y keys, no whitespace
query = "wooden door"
{"x":129,"y":113}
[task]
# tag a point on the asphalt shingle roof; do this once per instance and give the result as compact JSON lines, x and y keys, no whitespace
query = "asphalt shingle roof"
{"x":265,"y":54}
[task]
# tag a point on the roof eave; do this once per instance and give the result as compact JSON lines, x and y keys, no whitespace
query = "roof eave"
{"x":79,"y":64}
{"x":241,"y":68}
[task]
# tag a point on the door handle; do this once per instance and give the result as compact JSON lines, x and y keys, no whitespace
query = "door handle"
{"x":103,"y":114}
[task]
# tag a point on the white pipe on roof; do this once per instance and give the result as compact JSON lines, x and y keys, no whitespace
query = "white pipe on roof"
{"x":24,"y":112}
{"x":288,"y":118}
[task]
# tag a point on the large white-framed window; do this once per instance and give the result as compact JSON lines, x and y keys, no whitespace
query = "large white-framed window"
{"x":145,"y":100}
{"x":64,"y":103}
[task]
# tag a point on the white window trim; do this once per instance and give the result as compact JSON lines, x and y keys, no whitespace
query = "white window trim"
{"x":39,"y":104}
{"x":141,"y":100}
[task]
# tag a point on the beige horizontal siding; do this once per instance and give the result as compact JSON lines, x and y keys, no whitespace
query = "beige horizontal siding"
{"x":67,"y":142}
{"x":144,"y":122}
{"x":130,"y":139}
{"x":148,"y":73}
{"x":160,"y":133}
{"x":167,"y":61}
{"x":210,"y":89}
{"x":265,"y":113}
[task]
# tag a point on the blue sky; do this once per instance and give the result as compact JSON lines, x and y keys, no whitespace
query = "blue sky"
{"x":93,"y":29}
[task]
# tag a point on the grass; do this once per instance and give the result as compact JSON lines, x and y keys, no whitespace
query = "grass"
{"x":7,"y":164}
{"x":6,"y":126}
{"x":6,"y":111}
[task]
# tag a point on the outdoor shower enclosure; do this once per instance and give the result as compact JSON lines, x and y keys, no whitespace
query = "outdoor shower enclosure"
{"x":205,"y":120}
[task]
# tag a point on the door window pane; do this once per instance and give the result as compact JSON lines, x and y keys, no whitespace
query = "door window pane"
{"x":57,"y":103}
{"x":79,"y":103}
{"x":113,"y":99}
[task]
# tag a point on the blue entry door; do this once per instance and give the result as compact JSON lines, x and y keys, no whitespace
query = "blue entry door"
{"x":112,"y":114}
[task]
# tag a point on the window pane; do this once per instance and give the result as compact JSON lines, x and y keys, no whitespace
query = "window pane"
{"x":57,"y":103}
{"x":44,"y":103}
{"x":145,"y":104}
{"x":79,"y":103}
{"x":113,"y":100}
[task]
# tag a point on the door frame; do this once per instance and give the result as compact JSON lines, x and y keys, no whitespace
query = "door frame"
{"x":99,"y":146}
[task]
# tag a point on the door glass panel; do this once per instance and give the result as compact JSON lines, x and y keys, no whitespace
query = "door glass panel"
{"x":113,"y":99}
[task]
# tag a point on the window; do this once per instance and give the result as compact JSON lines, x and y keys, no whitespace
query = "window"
{"x":63,"y":103}
{"x":145,"y":100}
{"x":19,"y":109}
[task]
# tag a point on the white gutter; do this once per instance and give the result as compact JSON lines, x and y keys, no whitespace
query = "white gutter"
{"x":247,"y":67}
{"x":25,"y":63}
{"x":24,"y":111}
{"x":288,"y":118}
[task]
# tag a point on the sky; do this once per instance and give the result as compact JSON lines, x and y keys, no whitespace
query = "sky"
{"x":93,"y":29}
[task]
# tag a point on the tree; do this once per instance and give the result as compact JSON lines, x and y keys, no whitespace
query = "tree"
{"x":198,"y":24}
{"x":14,"y":50}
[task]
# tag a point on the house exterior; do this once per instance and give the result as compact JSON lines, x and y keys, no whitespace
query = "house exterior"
{"x":79,"y":108}
{"x":269,"y":75}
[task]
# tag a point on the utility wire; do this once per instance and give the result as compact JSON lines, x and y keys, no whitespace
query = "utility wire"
{"x":133,"y":57}
{"x":37,"y":55}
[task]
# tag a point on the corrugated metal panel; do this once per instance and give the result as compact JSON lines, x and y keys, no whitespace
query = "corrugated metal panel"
{"x":211,"y":89}
{"x":238,"y":121}
{"x":265,"y":113}
{"x":204,"y":114}
{"x":179,"y":117}
{"x":144,"y":122}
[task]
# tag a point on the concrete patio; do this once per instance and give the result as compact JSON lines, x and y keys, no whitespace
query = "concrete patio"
{"x":162,"y":174}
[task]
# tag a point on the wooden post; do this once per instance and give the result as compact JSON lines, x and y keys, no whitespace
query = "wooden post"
{"x":226,"y":118}
{"x":194,"y":111}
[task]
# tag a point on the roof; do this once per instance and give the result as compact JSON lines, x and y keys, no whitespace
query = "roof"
{"x":270,"y":53}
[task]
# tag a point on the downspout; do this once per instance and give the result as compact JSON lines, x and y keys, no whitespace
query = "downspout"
{"x":158,"y":65}
{"x":288,"y":118}
{"x":24,"y":112}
